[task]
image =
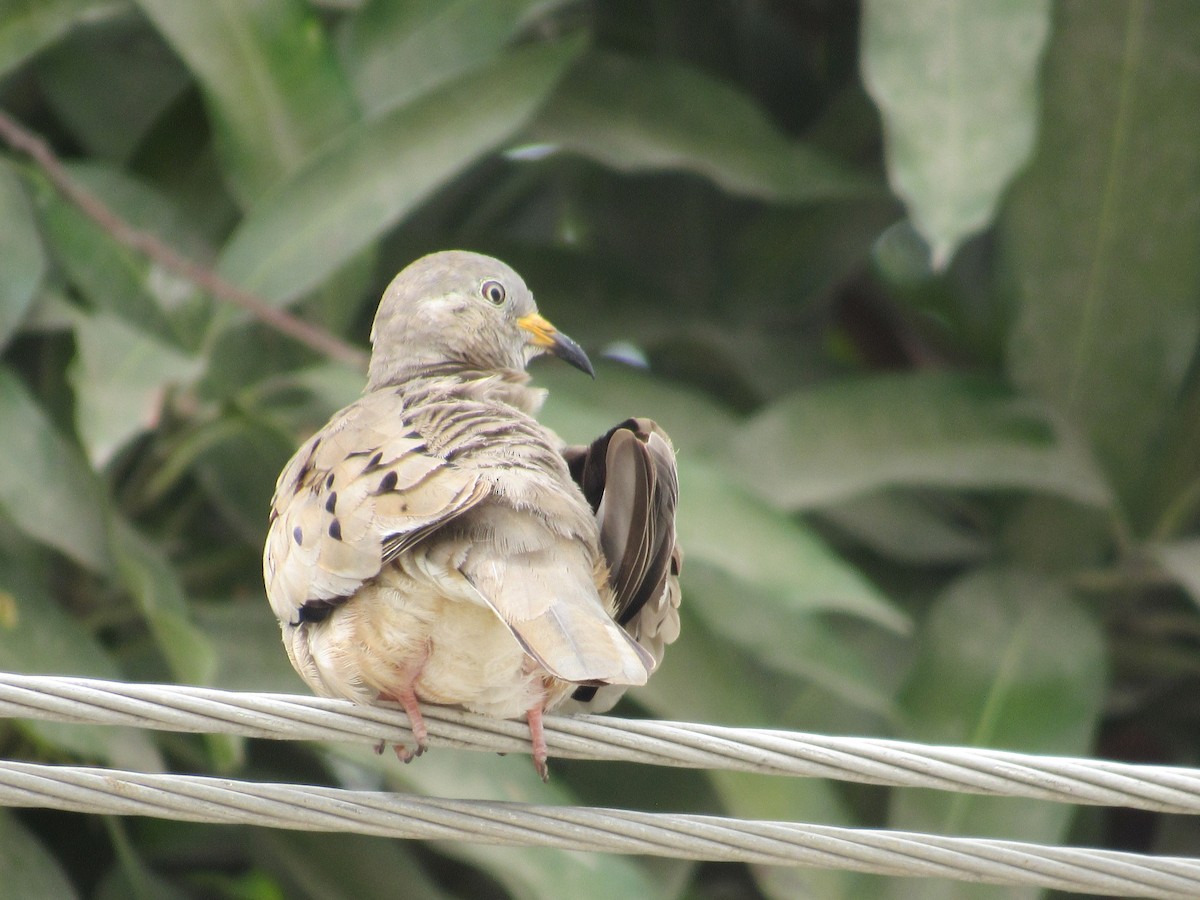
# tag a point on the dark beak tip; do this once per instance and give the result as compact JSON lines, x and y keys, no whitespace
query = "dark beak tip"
{"x":571,"y":353}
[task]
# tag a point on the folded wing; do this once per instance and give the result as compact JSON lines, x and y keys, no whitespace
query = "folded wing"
{"x":628,"y":477}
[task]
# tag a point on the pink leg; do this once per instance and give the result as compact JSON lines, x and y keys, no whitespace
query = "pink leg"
{"x":538,"y":738}
{"x":406,"y":696}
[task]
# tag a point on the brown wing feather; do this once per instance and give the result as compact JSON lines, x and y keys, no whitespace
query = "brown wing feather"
{"x":628,"y":476}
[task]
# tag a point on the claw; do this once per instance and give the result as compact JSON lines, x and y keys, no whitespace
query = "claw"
{"x":406,"y":696}
{"x":537,"y":737}
{"x":412,"y":708}
{"x":405,"y":755}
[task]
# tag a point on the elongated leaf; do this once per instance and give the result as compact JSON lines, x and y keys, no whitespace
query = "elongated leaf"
{"x":110,"y":275}
{"x":396,"y":52}
{"x":956,"y":82}
{"x":745,"y":538}
{"x":30,"y":870}
{"x":1182,"y":560}
{"x":635,"y":115}
{"x":141,"y":78}
{"x":800,"y":644}
{"x":22,"y":261}
{"x":238,"y":472}
{"x":381,"y":170}
{"x":248,"y":648}
{"x":342,"y":866}
{"x":27,"y":26}
{"x":1009,"y":660}
{"x":273,"y":88}
{"x":853,"y":437}
{"x":149,"y":578}
{"x":46,"y":488}
{"x":120,"y":377}
{"x":1101,"y":250}
{"x":904,"y":528}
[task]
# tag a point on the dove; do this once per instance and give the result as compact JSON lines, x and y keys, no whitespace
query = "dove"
{"x":434,"y":543}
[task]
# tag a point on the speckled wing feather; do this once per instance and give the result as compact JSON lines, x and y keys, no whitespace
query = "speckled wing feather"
{"x":628,"y":477}
{"x":356,"y":495}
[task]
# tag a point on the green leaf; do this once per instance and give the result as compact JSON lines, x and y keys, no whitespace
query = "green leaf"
{"x":274,"y":90}
{"x":28,"y":26}
{"x":779,"y":637}
{"x":238,"y":473}
{"x":956,"y":83}
{"x":140,"y":75}
{"x":249,"y":651}
{"x":1009,"y":660}
{"x":705,"y":678}
{"x":638,"y":115}
{"x":147,"y":575}
{"x":30,"y":870}
{"x":1181,"y":559}
{"x":121,"y":377}
{"x":852,"y":437}
{"x":342,"y":866}
{"x":46,"y":488}
{"x":110,"y":275}
{"x":907,"y":529}
{"x":22,"y":261}
{"x":396,"y":52}
{"x":743,"y":537}
{"x":1098,"y":243}
{"x":378,"y":172}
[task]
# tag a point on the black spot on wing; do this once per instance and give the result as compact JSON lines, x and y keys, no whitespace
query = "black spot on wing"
{"x":335,"y":530}
{"x":318,"y":610}
{"x":298,"y":534}
{"x":388,"y":482}
{"x":331,"y":502}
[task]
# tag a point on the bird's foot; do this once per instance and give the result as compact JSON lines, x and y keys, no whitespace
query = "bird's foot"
{"x":405,"y":755}
{"x":538,"y":738}
{"x":407,"y":698}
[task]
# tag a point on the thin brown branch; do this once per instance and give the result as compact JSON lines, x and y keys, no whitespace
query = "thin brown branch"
{"x":24,"y":141}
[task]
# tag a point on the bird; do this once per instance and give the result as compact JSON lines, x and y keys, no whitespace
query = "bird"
{"x":435,"y":543}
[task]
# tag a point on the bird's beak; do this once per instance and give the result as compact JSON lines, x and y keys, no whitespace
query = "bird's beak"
{"x":544,"y":335}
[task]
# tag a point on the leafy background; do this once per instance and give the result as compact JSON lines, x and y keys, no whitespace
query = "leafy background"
{"x":914,"y":288}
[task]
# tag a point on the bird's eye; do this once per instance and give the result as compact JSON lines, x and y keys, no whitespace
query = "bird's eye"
{"x":493,"y":292}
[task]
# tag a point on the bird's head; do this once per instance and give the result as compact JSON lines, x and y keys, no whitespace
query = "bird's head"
{"x":459,"y":309}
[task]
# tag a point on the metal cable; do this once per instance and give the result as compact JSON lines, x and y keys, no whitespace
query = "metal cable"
{"x":202,"y":799}
{"x":868,"y":760}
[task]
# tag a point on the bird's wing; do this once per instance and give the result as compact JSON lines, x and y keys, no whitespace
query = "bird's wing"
{"x":359,"y":493}
{"x":628,"y":476}
{"x":543,"y":586}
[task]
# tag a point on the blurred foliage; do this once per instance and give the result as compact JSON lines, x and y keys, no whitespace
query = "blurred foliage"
{"x":917,"y":295}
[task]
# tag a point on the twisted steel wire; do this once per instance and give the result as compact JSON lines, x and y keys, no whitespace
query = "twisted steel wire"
{"x":771,"y":752}
{"x":204,"y":799}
